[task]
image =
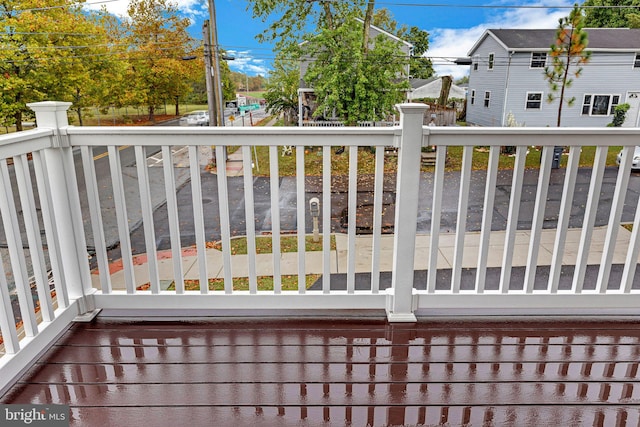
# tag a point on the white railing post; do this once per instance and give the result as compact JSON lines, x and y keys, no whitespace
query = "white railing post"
{"x":400,"y":307}
{"x":62,"y":187}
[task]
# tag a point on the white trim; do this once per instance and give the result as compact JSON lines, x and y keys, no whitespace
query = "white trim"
{"x":593,"y":95}
{"x":531,"y":67}
{"x":529,"y":304}
{"x":486,"y":101}
{"x":488,"y":33}
{"x":13,"y":366}
{"x":602,"y":50}
{"x":391,"y":36}
{"x":481,"y":40}
{"x":491,"y":61}
{"x":636,"y":60}
{"x":241,"y":300}
{"x":526,"y":100}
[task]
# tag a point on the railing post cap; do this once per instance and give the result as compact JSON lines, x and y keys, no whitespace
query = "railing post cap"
{"x":47,"y":106}
{"x":412,"y":108}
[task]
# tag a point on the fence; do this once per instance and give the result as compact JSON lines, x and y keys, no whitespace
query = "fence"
{"x":70,"y":200}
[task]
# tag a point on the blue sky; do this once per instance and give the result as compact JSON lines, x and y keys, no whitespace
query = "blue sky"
{"x":453,"y":28}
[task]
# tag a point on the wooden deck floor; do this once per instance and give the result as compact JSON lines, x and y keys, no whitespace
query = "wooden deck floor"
{"x":341,"y":372}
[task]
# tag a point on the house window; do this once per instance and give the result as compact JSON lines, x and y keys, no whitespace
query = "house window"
{"x":473,"y":96}
{"x":487,"y":98}
{"x":599,"y":105}
{"x":490,"y":64}
{"x":534,"y":101}
{"x":636,"y":62}
{"x":538,"y":59}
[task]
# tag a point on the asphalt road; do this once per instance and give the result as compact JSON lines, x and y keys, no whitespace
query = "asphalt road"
{"x":365,"y":197}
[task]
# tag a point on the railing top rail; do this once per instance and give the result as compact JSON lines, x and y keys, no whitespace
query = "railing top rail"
{"x":295,"y":136}
{"x":543,"y":136}
{"x":15,"y":144}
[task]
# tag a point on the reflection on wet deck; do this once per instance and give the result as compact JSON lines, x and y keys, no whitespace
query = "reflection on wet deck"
{"x":337,"y":372}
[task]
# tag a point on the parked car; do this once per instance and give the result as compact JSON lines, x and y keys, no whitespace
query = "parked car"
{"x":195,"y":118}
{"x":635,"y":165}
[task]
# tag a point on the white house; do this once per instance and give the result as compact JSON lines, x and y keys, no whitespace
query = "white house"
{"x":430,"y":88}
{"x":507,"y":76}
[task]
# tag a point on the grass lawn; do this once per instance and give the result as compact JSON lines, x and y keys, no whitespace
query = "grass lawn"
{"x":130,"y":115}
{"x":264,"y":245}
{"x":265,"y":283}
{"x":481,"y":158}
{"x":366,"y":161}
{"x":313,"y":162}
{"x":256,"y":94}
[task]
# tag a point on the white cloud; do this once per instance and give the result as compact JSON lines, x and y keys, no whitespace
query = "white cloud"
{"x":448,"y":44}
{"x":189,"y":8}
{"x":246,"y":63}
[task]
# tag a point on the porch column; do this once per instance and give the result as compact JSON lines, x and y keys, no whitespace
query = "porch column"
{"x":401,"y":305}
{"x":65,"y":202}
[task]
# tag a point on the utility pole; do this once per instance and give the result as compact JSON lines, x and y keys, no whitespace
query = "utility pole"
{"x":211,"y":96}
{"x":217,"y":81}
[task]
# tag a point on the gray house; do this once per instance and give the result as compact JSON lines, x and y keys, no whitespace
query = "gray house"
{"x":507,"y":76}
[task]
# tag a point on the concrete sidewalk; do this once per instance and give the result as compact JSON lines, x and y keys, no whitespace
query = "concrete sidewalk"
{"x":339,"y":257}
{"x":234,"y":160}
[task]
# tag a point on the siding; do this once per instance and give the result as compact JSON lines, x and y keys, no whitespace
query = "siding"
{"x":608,"y":73}
{"x":482,"y":80}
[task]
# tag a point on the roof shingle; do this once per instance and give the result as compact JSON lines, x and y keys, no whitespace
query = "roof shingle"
{"x":599,"y":38}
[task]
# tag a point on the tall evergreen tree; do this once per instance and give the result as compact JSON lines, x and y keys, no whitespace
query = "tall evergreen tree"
{"x":567,"y":53}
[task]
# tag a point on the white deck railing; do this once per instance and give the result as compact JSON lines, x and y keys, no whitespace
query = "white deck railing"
{"x":72,"y":200}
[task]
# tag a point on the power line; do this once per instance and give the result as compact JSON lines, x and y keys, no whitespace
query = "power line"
{"x":62,"y":6}
{"x":494,"y":6}
{"x":435,"y":60}
{"x":22,"y":33}
{"x":92,"y":46}
{"x":513,"y":6}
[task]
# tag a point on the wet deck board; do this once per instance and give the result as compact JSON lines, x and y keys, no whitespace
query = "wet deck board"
{"x":335,"y":372}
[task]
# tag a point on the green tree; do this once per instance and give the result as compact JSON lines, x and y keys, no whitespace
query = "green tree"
{"x":619,"y":115}
{"x":50,"y":50}
{"x":624,"y":14}
{"x":567,"y":53}
{"x":282,"y":89}
{"x":229,"y":87}
{"x":354,"y":76}
{"x":158,"y":39}
{"x":357,"y":86}
{"x":420,"y":67}
{"x":295,"y":18}
{"x":86,"y":62}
